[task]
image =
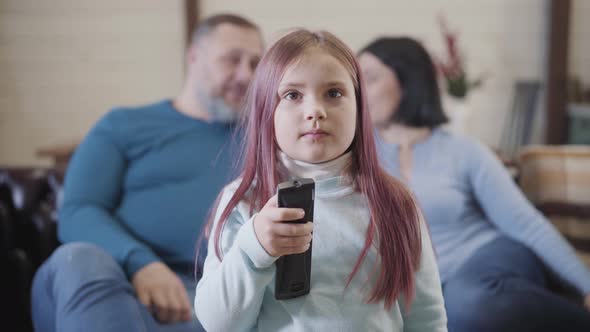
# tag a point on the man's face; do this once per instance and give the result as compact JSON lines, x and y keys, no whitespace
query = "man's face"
{"x":222,"y":65}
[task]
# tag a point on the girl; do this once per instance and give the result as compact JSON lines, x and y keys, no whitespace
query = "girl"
{"x":373,"y":267}
{"x":493,"y":247}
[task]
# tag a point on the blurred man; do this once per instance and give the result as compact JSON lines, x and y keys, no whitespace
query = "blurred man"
{"x":138,"y":191}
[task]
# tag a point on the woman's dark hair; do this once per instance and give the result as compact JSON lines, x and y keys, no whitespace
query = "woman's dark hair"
{"x":420,"y":104}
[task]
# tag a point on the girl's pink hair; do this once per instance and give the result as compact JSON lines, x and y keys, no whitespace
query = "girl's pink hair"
{"x":394,"y":227}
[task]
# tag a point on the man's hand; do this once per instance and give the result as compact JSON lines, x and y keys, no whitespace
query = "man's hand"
{"x":162,"y":292}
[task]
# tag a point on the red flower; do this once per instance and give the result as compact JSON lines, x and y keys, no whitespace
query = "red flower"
{"x":453,"y":69}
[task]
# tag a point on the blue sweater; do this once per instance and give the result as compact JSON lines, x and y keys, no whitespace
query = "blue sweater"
{"x":469,"y":199}
{"x":142,"y":182}
{"x":237,"y":294}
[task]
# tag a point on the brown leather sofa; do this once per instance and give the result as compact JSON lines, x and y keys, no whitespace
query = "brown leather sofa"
{"x":557,"y":180}
{"x":28,"y":224}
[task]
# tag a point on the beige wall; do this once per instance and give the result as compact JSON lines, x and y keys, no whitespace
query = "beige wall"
{"x":504,"y":38}
{"x":64,"y":63}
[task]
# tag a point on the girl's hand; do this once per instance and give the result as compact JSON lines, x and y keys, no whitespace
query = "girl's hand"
{"x":276,"y":235}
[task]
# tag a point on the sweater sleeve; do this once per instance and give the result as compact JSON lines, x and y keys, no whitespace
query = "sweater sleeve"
{"x":92,"y":190}
{"x":427,"y":312}
{"x":230,"y":293}
{"x":506,"y":207}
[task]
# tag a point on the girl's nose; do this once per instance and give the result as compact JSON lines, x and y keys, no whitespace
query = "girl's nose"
{"x":316,"y":111}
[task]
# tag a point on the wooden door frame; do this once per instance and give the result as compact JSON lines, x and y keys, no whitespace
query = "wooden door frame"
{"x":556,"y":117}
{"x":191,"y":17}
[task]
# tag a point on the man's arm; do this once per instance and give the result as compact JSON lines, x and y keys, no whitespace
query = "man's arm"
{"x":92,"y":191}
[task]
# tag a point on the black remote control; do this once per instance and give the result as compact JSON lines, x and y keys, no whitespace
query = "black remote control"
{"x":293,"y":278}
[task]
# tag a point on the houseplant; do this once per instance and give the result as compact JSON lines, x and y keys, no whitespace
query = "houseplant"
{"x":456,"y":82}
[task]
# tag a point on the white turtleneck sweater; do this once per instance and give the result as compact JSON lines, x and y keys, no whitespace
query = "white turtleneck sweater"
{"x":237,"y":294}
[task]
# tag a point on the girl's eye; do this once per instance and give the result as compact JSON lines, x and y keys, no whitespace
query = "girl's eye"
{"x":293,"y":95}
{"x":334,"y":93}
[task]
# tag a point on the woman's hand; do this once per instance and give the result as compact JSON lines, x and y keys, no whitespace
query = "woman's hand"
{"x":276,"y":235}
{"x":161,"y":290}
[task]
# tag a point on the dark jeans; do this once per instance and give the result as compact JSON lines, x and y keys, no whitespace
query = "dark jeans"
{"x":81,"y":288}
{"x":504,"y":288}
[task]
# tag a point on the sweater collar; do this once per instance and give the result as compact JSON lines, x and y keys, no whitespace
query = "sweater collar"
{"x":330,"y":178}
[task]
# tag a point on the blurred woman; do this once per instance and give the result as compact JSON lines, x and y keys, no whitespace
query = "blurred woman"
{"x":493,"y":247}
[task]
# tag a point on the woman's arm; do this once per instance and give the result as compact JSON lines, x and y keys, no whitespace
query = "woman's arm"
{"x":508,"y":209}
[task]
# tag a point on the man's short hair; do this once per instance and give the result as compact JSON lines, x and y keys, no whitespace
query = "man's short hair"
{"x":209,"y":24}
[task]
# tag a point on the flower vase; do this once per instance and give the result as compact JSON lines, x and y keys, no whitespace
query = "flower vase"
{"x":458,"y":112}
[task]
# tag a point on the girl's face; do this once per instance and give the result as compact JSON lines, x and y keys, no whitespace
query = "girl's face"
{"x":315,"y":118}
{"x":383,"y":89}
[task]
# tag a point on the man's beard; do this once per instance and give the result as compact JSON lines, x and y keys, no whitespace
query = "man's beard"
{"x":218,"y":109}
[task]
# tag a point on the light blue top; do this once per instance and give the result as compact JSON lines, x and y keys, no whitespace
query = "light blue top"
{"x":469,"y":198}
{"x":237,"y":294}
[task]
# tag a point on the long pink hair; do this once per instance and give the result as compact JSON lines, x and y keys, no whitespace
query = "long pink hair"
{"x":394,"y":227}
